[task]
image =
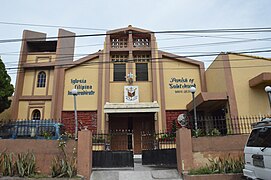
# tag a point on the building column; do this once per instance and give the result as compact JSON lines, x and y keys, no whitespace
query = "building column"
{"x":84,"y":153}
{"x":64,"y":46}
{"x":20,"y":74}
{"x":184,"y":150}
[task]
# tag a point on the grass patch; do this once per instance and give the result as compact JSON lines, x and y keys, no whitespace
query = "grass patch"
{"x":201,"y":170}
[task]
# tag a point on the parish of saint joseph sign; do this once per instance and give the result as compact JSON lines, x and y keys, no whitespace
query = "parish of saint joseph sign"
{"x":131,"y":94}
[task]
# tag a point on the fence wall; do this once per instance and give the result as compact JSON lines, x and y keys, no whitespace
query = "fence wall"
{"x":44,"y":150}
{"x":193,"y":152}
{"x":214,"y":147}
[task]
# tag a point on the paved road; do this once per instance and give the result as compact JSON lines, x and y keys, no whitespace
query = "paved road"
{"x":139,"y":172}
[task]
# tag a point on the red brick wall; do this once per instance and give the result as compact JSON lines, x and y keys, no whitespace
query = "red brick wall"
{"x":85,"y":119}
{"x":172,"y":115}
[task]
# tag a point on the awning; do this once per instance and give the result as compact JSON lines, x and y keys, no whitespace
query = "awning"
{"x":131,"y":107}
{"x":263,"y":78}
{"x":208,"y":101}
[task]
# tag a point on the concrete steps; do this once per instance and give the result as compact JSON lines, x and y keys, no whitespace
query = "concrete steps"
{"x":137,"y":158}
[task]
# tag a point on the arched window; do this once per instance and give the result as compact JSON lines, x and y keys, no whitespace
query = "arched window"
{"x":36,"y":114}
{"x":41,"y":79}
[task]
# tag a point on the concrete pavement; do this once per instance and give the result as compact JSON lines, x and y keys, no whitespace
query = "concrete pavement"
{"x":139,"y":172}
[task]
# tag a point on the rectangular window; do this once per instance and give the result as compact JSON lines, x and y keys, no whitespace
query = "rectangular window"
{"x":119,"y":58}
{"x":142,"y":58}
{"x":142,"y":71}
{"x":141,"y":42}
{"x":260,"y":138}
{"x":119,"y":43}
{"x":119,"y":72}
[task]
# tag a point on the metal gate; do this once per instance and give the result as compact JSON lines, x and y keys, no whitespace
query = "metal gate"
{"x":112,"y":150}
{"x":159,"y":149}
{"x":116,"y":149}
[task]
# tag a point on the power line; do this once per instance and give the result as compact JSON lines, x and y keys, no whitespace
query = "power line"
{"x":250,"y":29}
{"x":177,"y":47}
{"x":174,"y":68}
{"x":162,"y":39}
{"x":51,"y":26}
{"x":10,"y":66}
{"x":226,"y":30}
{"x":64,"y":58}
{"x":243,"y":30}
{"x":167,"y":47}
{"x":217,"y":43}
{"x":226,"y":36}
{"x":89,"y":64}
{"x":247,"y":30}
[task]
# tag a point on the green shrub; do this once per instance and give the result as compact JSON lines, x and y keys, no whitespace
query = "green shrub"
{"x":201,"y":170}
{"x":23,"y":165}
{"x":62,"y":166}
{"x":214,"y":132}
{"x":221,"y":166}
{"x":167,"y":137}
{"x":198,"y":133}
{"x":47,"y":135}
{"x":98,"y":139}
{"x":7,"y":164}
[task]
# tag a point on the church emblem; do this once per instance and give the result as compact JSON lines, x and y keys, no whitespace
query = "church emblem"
{"x":131,"y":94}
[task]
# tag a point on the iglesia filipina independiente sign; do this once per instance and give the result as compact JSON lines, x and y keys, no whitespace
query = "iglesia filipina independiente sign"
{"x":82,"y":86}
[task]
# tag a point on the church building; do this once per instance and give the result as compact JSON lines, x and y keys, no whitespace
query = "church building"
{"x":131,"y":84}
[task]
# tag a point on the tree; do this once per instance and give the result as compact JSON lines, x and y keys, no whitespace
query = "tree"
{"x":6,"y":89}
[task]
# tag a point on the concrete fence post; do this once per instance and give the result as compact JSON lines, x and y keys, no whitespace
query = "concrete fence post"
{"x":84,"y":153}
{"x":184,"y":150}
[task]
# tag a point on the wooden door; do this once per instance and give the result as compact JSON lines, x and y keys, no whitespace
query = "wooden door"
{"x":118,"y":133}
{"x":137,"y":127}
{"x":147,"y":132}
{"x":143,"y":128}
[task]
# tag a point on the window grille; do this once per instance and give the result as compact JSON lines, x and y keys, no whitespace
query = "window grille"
{"x":119,"y":43}
{"x":141,"y":42}
{"x":119,"y":58}
{"x":41,"y":79}
{"x":36,"y":114}
{"x":141,"y":58}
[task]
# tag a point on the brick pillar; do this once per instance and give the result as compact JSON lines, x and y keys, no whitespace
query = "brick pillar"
{"x":84,"y":153}
{"x":184,"y":150}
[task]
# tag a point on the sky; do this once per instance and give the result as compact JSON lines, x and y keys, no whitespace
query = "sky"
{"x":91,"y":17}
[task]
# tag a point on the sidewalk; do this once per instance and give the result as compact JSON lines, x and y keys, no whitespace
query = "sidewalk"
{"x":139,"y":172}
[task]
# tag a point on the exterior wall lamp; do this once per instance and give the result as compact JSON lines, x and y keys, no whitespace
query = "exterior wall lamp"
{"x":193,"y":90}
{"x":268,"y":91}
{"x":74,"y":93}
